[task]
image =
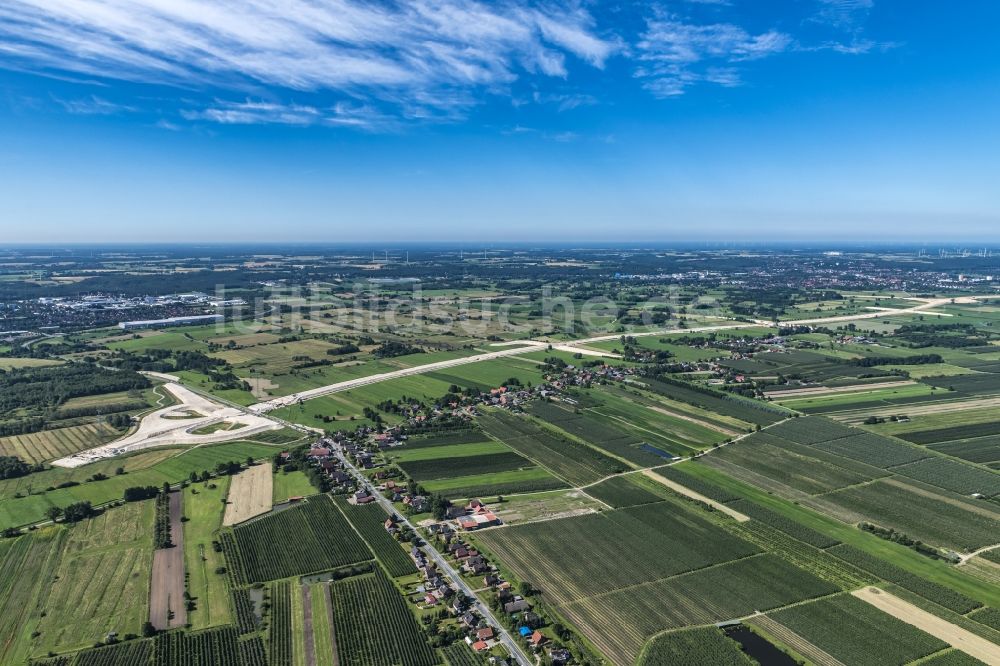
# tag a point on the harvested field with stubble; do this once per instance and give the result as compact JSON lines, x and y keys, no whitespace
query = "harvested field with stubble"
{"x":37,"y":447}
{"x":250,"y":494}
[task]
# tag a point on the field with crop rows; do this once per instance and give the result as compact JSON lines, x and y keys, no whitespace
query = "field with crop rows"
{"x":531,"y":480}
{"x":309,"y":538}
{"x":131,"y":653}
{"x":374,"y":626}
{"x":784,"y":524}
{"x":873,"y":450}
{"x":369,"y":521}
{"x":704,"y":646}
{"x":951,"y":658}
{"x":596,"y":431}
{"x":984,"y":450}
{"x":25,"y":563}
{"x":811,"y":430}
{"x":576,"y":463}
{"x":677,"y":474}
{"x":449,"y":467}
{"x":622,"y":491}
{"x":625,"y":547}
{"x":857,"y":633}
{"x":279,"y":630}
{"x":804,"y":473}
{"x":218,"y":647}
{"x":620,"y":621}
{"x":739,"y":408}
{"x":961,"y":478}
{"x":965,"y":431}
{"x":38,"y":447}
{"x":922,"y":515}
{"x":459,"y":654}
{"x":887,"y":571}
{"x":246,"y":620}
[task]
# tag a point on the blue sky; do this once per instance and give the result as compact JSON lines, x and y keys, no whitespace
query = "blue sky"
{"x":342,"y":120}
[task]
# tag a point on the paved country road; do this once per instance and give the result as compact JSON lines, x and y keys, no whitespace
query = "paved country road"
{"x":573,"y":346}
{"x":443,"y":565}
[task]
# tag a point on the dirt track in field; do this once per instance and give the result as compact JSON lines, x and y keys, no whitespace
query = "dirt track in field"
{"x":673,"y":485}
{"x":307,"y":627}
{"x":166,"y":591}
{"x":250,"y":494}
{"x":959,"y":638}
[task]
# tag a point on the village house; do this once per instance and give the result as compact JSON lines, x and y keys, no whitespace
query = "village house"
{"x":516,"y":606}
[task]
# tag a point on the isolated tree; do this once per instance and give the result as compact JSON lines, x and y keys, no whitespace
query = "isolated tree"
{"x":53,"y":513}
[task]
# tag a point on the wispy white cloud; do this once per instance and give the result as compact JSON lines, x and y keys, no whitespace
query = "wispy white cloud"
{"x":94,"y":106}
{"x":564,"y":101}
{"x":675,"y":54}
{"x":843,"y":13}
{"x":428,"y":56}
{"x":257,"y":112}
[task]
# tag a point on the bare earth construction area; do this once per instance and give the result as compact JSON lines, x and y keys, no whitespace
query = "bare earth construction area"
{"x":177,"y":424}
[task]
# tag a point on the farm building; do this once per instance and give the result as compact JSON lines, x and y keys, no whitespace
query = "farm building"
{"x":478,"y":521}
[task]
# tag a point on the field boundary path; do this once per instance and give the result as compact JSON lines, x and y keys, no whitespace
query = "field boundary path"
{"x":328,"y":604}
{"x":166,"y":590}
{"x":307,"y":627}
{"x":960,"y":639}
{"x":683,"y":490}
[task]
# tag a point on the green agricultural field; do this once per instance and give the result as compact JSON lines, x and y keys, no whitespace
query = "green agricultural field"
{"x":290,"y":484}
{"x":922,"y":515}
{"x":101,"y":583}
{"x":408,"y":453}
{"x":626,"y":547}
{"x":854,"y":399}
{"x":657,"y":412}
{"x":619,"y":621}
{"x":858,"y":633}
{"x":203,"y":509}
{"x":173,"y":340}
{"x":576,"y":463}
{"x":531,"y":480}
{"x":173,"y":469}
{"x":984,"y":450}
{"x":622,"y":491}
{"x":25,"y":567}
{"x":598,"y":431}
{"x":451,"y":467}
{"x":904,"y":558}
{"x":962,"y":478}
{"x":309,"y":538}
{"x":373,"y":625}
{"x":369,"y":521}
{"x":762,"y":454}
{"x":281,"y":642}
{"x":704,"y":646}
{"x":12,"y":363}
